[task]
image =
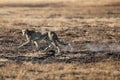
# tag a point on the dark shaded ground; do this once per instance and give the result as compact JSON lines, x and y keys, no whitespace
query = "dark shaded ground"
{"x":42,"y":5}
{"x":12,"y":38}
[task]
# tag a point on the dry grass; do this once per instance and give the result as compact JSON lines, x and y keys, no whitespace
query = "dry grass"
{"x":84,"y":2}
{"x":106,"y":70}
{"x":92,"y":27}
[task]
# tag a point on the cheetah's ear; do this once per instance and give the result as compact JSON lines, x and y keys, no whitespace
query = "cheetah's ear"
{"x":26,"y":29}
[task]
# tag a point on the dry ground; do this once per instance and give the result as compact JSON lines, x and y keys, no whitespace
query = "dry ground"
{"x":92,"y":27}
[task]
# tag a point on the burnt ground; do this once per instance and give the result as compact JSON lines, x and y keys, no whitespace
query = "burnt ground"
{"x":85,"y":51}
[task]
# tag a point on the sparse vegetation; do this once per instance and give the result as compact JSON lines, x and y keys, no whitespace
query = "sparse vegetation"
{"x":92,"y":27}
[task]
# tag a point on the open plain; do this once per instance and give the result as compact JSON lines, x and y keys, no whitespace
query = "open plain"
{"x":91,"y":27}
